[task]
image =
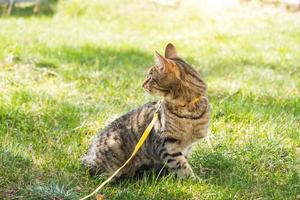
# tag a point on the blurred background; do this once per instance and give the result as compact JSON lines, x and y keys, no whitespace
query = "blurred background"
{"x":68,"y":68}
{"x":48,"y":7}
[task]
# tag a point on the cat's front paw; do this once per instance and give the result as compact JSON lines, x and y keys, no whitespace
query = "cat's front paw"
{"x":186,"y":173}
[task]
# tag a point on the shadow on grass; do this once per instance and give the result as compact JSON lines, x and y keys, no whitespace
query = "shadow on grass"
{"x":15,"y":170}
{"x":253,"y":170}
{"x":92,"y":56}
{"x":22,"y":180}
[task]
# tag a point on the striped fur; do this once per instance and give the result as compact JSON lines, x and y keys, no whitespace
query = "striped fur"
{"x":181,"y":123}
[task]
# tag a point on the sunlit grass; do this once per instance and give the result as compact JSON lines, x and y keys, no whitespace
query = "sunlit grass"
{"x":65,"y":75}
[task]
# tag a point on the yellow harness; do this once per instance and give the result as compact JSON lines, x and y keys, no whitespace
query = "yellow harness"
{"x":136,"y":148}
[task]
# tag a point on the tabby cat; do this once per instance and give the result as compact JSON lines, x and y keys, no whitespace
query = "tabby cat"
{"x":183,"y":120}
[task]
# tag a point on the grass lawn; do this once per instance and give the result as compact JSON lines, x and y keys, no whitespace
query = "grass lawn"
{"x":66,"y":74}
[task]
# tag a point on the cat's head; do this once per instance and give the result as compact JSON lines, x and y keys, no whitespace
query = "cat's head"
{"x":174,"y":79}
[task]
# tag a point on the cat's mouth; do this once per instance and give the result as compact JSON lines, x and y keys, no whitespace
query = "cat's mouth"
{"x":147,"y":89}
{"x":156,"y":91}
{"x":151,"y":88}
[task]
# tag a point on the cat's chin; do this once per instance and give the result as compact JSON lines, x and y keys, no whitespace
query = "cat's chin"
{"x":150,"y":91}
{"x":153,"y":92}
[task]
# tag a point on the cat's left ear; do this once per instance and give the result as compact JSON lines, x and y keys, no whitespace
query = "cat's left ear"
{"x":165,"y":65}
{"x":160,"y":61}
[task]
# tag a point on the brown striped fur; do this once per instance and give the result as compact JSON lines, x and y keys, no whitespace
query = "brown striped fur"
{"x":181,"y":123}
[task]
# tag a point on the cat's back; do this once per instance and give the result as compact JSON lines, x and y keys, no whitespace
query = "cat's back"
{"x":116,"y":142}
{"x":130,"y":122}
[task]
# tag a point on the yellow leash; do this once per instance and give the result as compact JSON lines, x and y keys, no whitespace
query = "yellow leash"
{"x":136,"y":149}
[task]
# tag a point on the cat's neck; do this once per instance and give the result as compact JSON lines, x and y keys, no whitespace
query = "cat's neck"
{"x":184,"y":95}
{"x":183,"y":101}
{"x":191,"y":106}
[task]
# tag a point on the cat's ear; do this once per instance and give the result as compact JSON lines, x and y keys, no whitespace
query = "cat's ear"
{"x":170,"y":51}
{"x":160,"y":61}
{"x":165,"y":65}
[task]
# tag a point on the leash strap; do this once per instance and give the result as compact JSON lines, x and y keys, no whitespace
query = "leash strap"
{"x":136,"y":149}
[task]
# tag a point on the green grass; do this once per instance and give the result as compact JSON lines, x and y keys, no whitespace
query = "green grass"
{"x":66,"y":74}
